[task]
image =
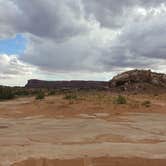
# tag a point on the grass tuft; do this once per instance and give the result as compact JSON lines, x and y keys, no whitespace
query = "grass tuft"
{"x":120,"y":100}
{"x":146,"y":103}
{"x":40,"y":95}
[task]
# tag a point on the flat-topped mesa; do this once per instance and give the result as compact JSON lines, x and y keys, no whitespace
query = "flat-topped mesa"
{"x":130,"y":81}
{"x":67,"y":84}
{"x":139,"y":81}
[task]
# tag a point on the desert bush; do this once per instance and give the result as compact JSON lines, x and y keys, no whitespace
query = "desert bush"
{"x":120,"y":100}
{"x":40,"y":95}
{"x":146,"y":103}
{"x":70,"y":96}
{"x":51,"y":93}
{"x":6,"y":93}
{"x":33,"y":92}
{"x":134,"y":104}
{"x":22,"y":92}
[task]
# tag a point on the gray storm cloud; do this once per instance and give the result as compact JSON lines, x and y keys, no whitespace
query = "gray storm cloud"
{"x":115,"y":13}
{"x":83,"y":35}
{"x":49,"y":19}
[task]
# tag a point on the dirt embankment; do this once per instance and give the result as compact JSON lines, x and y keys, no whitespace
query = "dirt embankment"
{"x":102,"y":161}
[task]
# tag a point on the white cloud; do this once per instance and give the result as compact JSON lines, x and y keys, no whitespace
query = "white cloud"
{"x":11,"y":68}
{"x":85,"y":36}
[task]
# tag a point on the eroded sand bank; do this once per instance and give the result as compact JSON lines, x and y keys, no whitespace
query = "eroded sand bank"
{"x":102,"y":161}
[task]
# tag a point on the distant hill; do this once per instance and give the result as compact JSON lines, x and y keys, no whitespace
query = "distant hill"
{"x":130,"y":81}
{"x":67,"y":84}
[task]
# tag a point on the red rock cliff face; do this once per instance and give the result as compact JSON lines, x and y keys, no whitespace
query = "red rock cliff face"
{"x":67,"y":84}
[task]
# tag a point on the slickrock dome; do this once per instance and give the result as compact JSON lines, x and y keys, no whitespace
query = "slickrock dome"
{"x":138,"y":81}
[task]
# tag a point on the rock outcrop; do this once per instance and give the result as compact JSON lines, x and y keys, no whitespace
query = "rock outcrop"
{"x":67,"y":84}
{"x":130,"y":81}
{"x":139,"y":81}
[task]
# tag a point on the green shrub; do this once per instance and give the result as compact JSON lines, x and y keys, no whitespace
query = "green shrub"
{"x":51,"y":93}
{"x":120,"y":100}
{"x":40,"y":95}
{"x":70,"y":96}
{"x":146,"y":103}
{"x":6,"y":93}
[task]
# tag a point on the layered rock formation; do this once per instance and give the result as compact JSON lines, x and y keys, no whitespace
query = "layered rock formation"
{"x":130,"y":81}
{"x":67,"y":84}
{"x":138,"y":81}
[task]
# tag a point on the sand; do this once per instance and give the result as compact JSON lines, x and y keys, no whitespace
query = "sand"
{"x":89,"y":132}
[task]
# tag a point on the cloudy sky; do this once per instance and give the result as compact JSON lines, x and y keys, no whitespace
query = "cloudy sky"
{"x":80,"y":39}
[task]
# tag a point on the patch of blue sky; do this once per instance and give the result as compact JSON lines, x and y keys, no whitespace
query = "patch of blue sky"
{"x":15,"y":45}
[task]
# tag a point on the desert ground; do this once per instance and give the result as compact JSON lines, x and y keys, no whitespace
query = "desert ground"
{"x":90,"y":130}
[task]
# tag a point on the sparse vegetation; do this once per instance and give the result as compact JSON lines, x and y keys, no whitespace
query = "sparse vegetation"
{"x":40,"y":95}
{"x":51,"y":93}
{"x":70,"y":96}
{"x":146,"y":103}
{"x":134,"y":104}
{"x":21,"y":92}
{"x":6,"y":93}
{"x":120,"y":100}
